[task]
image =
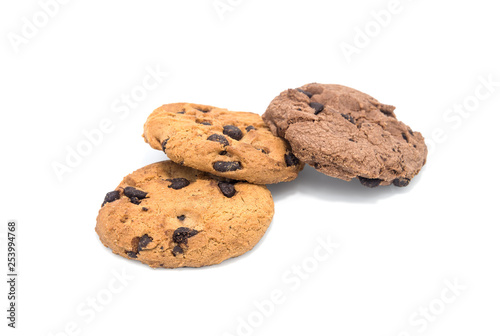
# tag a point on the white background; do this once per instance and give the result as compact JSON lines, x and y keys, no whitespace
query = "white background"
{"x":397,"y":247}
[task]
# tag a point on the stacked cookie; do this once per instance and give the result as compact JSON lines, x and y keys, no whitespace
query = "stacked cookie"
{"x":347,"y":134}
{"x":234,"y":145}
{"x":209,"y":203}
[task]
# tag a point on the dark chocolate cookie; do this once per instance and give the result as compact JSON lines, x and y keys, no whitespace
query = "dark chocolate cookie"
{"x":347,"y":134}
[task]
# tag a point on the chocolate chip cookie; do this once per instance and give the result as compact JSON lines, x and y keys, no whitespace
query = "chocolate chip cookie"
{"x":236,"y":145}
{"x":347,"y":134}
{"x":167,"y":215}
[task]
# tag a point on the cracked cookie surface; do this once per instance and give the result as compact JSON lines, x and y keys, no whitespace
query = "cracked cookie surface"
{"x":347,"y":134}
{"x":167,"y":215}
{"x":236,"y":145}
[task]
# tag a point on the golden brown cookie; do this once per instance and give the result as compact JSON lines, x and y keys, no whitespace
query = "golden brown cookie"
{"x":346,"y":134}
{"x":236,"y":145}
{"x":167,"y":215}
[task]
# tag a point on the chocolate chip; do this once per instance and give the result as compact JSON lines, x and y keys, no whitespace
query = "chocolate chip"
{"x":178,"y":183}
{"x":206,"y":123}
{"x":410,"y":131}
{"x":233,"y":132}
{"x":143,"y":242}
{"x":370,"y":183}
{"x":131,"y":254}
{"x":401,"y":182}
{"x":291,"y":160}
{"x":225,"y":166}
{"x":181,"y":217}
{"x":202,"y":110}
{"x":308,"y":94}
{"x":135,"y":200}
{"x":233,"y":181}
{"x":218,"y":138}
{"x":223,"y":153}
{"x":164,"y":144}
{"x":111,"y":197}
{"x":177,"y":250}
{"x":351,"y":140}
{"x":182,"y":112}
{"x":250,"y":128}
{"x":227,"y":189}
{"x":404,"y":137}
{"x":132,"y":192}
{"x":349,"y":118}
{"x":144,"y":209}
{"x":182,"y":234}
{"x":317,"y":107}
